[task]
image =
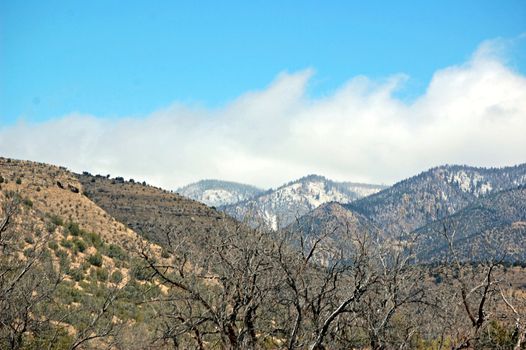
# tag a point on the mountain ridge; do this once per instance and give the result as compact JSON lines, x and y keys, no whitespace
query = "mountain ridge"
{"x":213,"y":192}
{"x":435,"y":193}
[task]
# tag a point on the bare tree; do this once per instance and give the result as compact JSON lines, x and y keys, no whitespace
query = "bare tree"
{"x":323,"y":286}
{"x":28,"y":278}
{"x":399,"y":285}
{"x":472,"y":288}
{"x":218,"y":285}
{"x":243,"y":288}
{"x":101,"y":323}
{"x":518,"y":308}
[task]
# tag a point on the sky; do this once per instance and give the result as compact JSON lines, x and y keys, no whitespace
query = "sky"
{"x":263,"y":92}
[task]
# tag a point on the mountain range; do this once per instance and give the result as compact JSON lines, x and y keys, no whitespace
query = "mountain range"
{"x":422,"y":204}
{"x":278,"y":208}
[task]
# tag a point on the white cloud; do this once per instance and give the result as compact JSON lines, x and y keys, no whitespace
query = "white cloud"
{"x":474,"y":113}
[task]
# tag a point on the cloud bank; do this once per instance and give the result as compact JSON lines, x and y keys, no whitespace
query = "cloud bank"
{"x":473,"y":113}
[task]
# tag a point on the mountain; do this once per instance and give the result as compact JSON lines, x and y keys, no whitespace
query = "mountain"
{"x":434,"y":194}
{"x":492,"y":226}
{"x":280,"y":207}
{"x":217,"y":193}
{"x":53,"y":192}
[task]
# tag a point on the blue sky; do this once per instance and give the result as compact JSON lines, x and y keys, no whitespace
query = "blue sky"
{"x":114,"y":59}
{"x":263,"y":92}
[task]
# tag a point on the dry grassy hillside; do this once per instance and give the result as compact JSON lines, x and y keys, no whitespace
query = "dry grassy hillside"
{"x":54,"y":191}
{"x":64,"y":262}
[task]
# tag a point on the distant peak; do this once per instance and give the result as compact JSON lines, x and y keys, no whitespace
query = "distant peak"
{"x":307,"y":178}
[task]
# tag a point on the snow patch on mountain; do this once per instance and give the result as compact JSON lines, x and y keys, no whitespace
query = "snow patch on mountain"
{"x":364,"y":190}
{"x":219,"y":196}
{"x":282,"y":206}
{"x":474,"y":182}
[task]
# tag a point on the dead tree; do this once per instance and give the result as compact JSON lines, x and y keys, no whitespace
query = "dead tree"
{"x":27,"y":277}
{"x":323,"y":284}
{"x":474,"y":287}
{"x":218,"y":286}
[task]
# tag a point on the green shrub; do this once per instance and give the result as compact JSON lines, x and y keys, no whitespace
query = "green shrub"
{"x":93,"y":275}
{"x":46,"y":255}
{"x":54,"y":338}
{"x":50,"y":227}
{"x":64,"y":260}
{"x":67,"y":294}
{"x":77,"y":274}
{"x":52,"y":245}
{"x":60,"y":253}
{"x":95,"y":260}
{"x":93,"y":239}
{"x":27,"y":202}
{"x":19,"y":181}
{"x":29,"y":252}
{"x":85,"y":265}
{"x":57,"y":220}
{"x":497,"y":336}
{"x":80,"y":245}
{"x":140,"y":271}
{"x":116,"y":277}
{"x":74,"y":229}
{"x":66,"y":243}
{"x":102,"y":274}
{"x":116,"y":252}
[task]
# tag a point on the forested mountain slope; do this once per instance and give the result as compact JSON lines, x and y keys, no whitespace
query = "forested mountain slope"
{"x":494,"y":226}
{"x":434,"y":194}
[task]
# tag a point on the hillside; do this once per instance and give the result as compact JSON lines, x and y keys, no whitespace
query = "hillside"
{"x":216,"y":193}
{"x":67,"y":255}
{"x":55,"y":192}
{"x":153,"y":212}
{"x":280,"y":207}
